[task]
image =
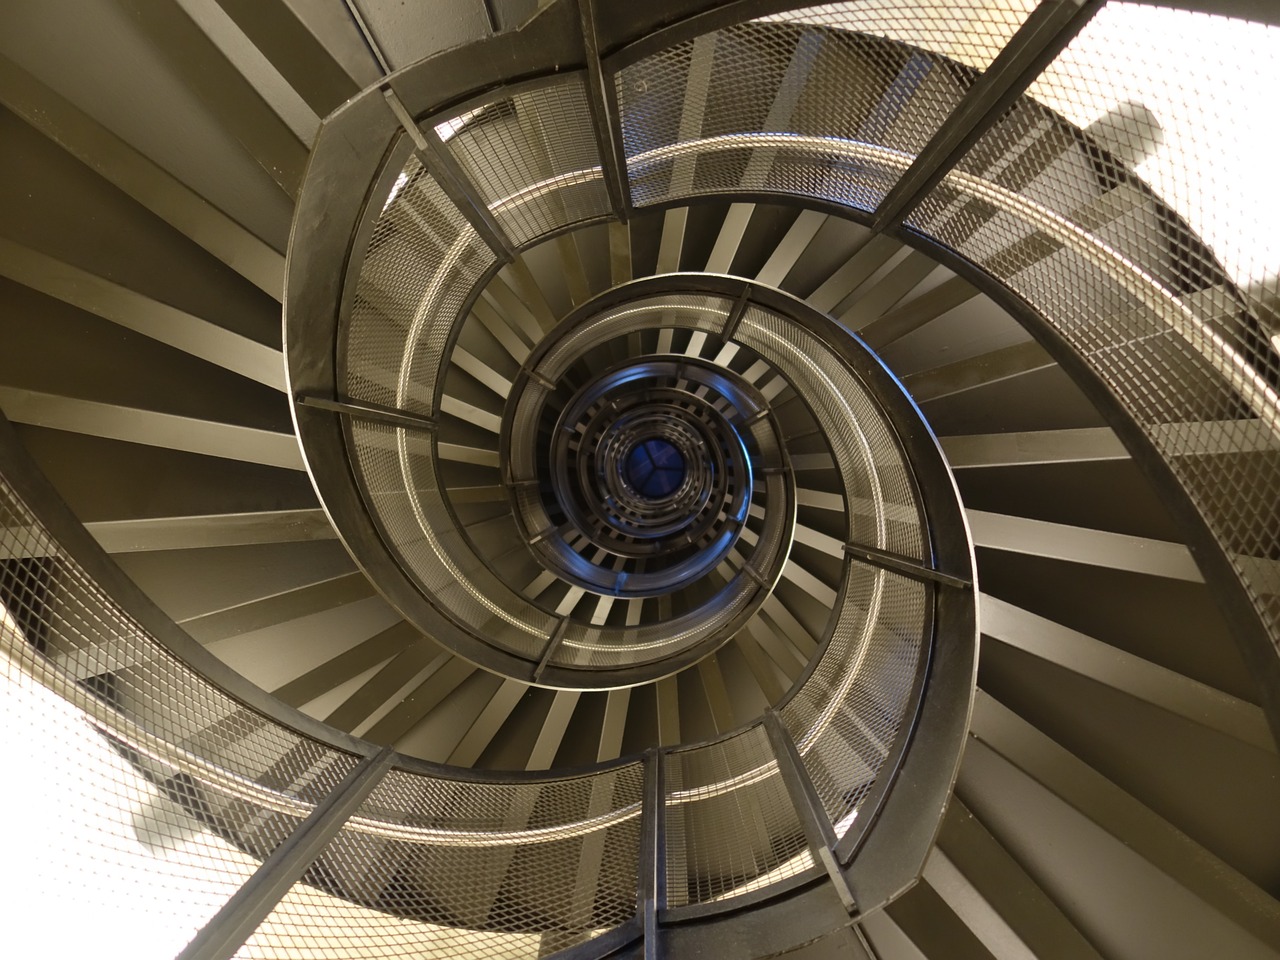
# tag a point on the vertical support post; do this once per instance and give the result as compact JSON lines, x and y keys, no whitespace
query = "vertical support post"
{"x":652,"y":894}
{"x":813,"y":816}
{"x":222,"y":936}
{"x":602,"y":102}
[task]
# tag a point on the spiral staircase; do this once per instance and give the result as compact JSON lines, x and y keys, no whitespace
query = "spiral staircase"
{"x":636,"y":701}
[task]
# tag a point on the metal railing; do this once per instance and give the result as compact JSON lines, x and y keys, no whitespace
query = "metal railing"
{"x":358,"y":845}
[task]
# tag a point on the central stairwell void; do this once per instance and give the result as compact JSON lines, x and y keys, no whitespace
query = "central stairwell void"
{"x":617,"y":349}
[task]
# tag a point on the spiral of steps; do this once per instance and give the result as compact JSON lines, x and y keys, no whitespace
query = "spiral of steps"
{"x":1118,"y":791}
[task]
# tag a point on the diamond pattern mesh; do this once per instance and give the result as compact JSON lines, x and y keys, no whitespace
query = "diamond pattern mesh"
{"x":470,"y":868}
{"x":422,"y":261}
{"x":146,"y":796}
{"x":730,"y":823}
{"x":782,"y":105}
{"x":397,"y":468}
{"x":844,"y":719}
{"x":878,"y":487}
{"x":1119,"y":203}
{"x":533,"y":158}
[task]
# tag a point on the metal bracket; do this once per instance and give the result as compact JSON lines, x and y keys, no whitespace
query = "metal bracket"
{"x":734,"y":318}
{"x":652,"y":889}
{"x":813,"y":817}
{"x":553,"y":644}
{"x":605,"y":115}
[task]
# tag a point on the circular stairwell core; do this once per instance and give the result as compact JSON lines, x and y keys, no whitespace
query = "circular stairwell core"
{"x":643,"y":460}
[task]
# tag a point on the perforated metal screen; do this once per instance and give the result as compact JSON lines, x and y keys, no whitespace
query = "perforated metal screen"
{"x":731,"y":826}
{"x":533,"y":157}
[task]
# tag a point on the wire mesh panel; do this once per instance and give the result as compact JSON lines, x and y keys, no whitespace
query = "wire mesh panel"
{"x":846,"y":715}
{"x":398,"y":472}
{"x":730,"y":824}
{"x":787,"y":104}
{"x":433,"y":867}
{"x":134,"y":789}
{"x":1127,"y":203}
{"x":421,"y":263}
{"x":879,"y":493}
{"x":533,"y":158}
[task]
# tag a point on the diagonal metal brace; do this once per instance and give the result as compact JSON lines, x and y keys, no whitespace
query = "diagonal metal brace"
{"x":1044,"y":34}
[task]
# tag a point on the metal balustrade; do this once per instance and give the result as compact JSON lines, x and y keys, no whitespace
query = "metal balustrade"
{"x":299,"y":841}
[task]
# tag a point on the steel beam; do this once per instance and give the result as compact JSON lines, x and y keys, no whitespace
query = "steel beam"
{"x":486,"y":725}
{"x":575,"y":275}
{"x":315,"y":47}
{"x":402,"y":673}
{"x":717,"y":693}
{"x":131,"y":172}
{"x":985,"y":885}
{"x":886,"y":292}
{"x":671,"y":246}
{"x":210,"y":530}
{"x":908,"y":317}
{"x":973,"y":909}
{"x":791,"y":247}
{"x":904,"y":565}
{"x":374,"y":412}
{"x":1125,"y":672}
{"x":729,"y":239}
{"x":934,"y":927}
{"x":365,"y":655}
{"x":138,"y":312}
{"x":451,"y":178}
{"x":405,"y":715}
{"x":1097,"y":548}
{"x":809,"y":809}
{"x":886,"y":940}
{"x":133,"y":425}
{"x":619,"y":253}
{"x":1042,"y":36}
{"x":222,"y":936}
{"x":614,"y":725}
{"x":229,"y":96}
{"x":853,"y":273}
{"x":602,"y":101}
{"x":209,"y":628}
{"x":980,"y":371}
{"x":668,"y":699}
{"x":1000,"y":736}
{"x":1081,"y":445}
{"x":652,"y":887}
{"x":554,"y":725}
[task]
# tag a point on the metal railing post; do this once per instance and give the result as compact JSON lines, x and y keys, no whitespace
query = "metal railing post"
{"x":813,"y":816}
{"x":230,"y":927}
{"x":653,"y":853}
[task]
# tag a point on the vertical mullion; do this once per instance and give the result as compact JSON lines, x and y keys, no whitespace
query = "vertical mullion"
{"x":605,"y":116}
{"x":652,"y":893}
